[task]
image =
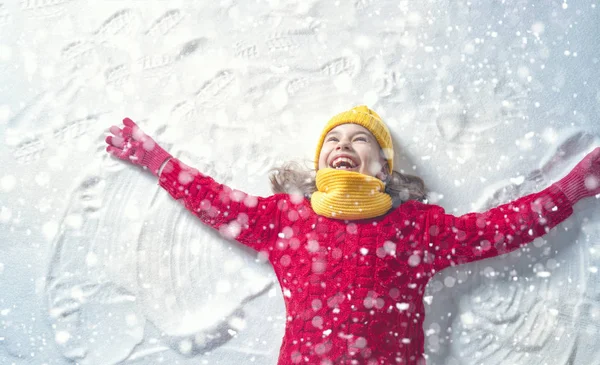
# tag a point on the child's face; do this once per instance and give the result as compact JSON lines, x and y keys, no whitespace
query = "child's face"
{"x":352,"y":147}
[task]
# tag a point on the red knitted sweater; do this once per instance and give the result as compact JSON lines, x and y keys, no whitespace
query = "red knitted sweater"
{"x":353,"y":290}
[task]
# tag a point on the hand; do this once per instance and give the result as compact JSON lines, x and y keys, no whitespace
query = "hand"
{"x":131,"y":144}
{"x":584,"y":180}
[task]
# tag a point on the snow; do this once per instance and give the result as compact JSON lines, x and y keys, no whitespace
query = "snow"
{"x":487,"y":101}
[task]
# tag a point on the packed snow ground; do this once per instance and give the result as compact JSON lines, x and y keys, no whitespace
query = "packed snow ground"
{"x":487,"y":101}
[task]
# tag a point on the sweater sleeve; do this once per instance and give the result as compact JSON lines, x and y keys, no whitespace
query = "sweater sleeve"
{"x":252,"y":221}
{"x":474,"y":236}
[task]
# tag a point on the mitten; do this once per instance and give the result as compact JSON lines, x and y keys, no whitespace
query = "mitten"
{"x":584,"y":180}
{"x":133,"y":145}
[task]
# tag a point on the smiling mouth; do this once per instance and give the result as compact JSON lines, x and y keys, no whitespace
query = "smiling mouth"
{"x":343,"y":163}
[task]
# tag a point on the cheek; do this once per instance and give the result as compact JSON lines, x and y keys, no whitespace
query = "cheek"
{"x":372,"y":161}
{"x":323,"y":159}
{"x":369,"y":155}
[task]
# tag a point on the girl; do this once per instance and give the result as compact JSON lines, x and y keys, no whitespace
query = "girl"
{"x":352,"y":267}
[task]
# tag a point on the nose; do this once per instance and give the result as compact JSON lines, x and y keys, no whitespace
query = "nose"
{"x":343,"y":145}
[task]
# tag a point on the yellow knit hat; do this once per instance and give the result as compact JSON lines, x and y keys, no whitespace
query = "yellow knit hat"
{"x":367,"y":118}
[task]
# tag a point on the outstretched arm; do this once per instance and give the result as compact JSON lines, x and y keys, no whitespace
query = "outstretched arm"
{"x":456,"y":240}
{"x":250,"y":220}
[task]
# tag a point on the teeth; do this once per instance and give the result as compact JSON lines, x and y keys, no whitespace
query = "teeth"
{"x":336,"y":164}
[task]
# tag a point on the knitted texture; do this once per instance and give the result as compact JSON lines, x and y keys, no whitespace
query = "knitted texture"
{"x":367,"y":118}
{"x":584,"y":180}
{"x":154,"y":158}
{"x":354,"y":290}
{"x":349,"y":195}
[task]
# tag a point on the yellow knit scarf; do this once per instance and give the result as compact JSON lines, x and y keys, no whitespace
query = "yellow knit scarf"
{"x":349,"y":195}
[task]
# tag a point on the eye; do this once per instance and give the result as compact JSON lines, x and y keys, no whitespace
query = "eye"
{"x":334,"y":139}
{"x":361,"y":138}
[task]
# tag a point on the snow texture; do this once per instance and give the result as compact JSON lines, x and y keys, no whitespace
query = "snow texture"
{"x":486,"y":100}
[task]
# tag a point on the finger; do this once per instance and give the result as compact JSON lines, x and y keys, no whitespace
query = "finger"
{"x":128,"y":122}
{"x":127,"y":132}
{"x":115,"y":141}
{"x":116,"y":131}
{"x":114,"y":151}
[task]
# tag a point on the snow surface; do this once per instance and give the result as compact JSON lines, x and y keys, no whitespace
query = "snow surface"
{"x":487,"y":101}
